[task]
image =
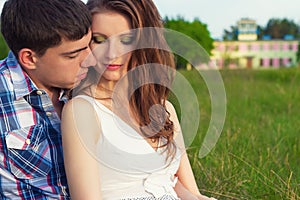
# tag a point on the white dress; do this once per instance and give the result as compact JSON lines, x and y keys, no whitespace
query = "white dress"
{"x":129,"y":167}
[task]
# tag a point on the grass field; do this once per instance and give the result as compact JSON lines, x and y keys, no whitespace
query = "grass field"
{"x":258,"y":153}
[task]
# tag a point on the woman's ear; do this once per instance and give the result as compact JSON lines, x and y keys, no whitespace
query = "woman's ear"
{"x":27,"y":58}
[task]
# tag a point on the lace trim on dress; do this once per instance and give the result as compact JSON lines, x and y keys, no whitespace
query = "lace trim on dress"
{"x":165,"y":197}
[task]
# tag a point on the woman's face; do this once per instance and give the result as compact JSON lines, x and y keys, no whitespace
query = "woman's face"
{"x":112,"y":42}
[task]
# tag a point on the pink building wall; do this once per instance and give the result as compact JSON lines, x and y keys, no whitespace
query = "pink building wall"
{"x":243,"y":47}
{"x":272,"y":54}
{"x":221,"y":47}
{"x":275,"y":46}
{"x":255,"y":47}
{"x":266,"y":47}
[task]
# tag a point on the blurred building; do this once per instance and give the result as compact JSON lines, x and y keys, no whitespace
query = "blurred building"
{"x":249,"y":52}
{"x":247,"y":30}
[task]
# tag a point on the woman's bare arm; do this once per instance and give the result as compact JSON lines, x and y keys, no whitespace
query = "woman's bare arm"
{"x":79,"y":135}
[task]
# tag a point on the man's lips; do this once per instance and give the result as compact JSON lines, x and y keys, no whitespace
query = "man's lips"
{"x":82,"y":76}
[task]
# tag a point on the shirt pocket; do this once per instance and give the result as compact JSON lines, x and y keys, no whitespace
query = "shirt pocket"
{"x":29,"y":152}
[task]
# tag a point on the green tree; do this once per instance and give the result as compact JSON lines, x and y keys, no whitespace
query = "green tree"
{"x":298,"y":54}
{"x":231,"y":34}
{"x":3,"y":47}
{"x":197,"y":31}
{"x":278,"y":28}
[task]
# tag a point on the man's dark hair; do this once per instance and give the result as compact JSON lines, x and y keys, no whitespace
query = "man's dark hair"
{"x":41,"y":24}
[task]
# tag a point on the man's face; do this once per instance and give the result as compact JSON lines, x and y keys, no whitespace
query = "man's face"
{"x":63,"y":66}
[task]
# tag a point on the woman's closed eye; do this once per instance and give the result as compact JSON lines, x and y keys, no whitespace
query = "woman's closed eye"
{"x":123,"y":39}
{"x":127,"y":39}
{"x":98,"y":39}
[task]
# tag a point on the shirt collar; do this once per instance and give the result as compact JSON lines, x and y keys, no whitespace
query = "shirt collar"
{"x":64,"y":95}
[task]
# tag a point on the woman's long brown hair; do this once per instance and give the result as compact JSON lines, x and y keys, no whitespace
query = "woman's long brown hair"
{"x":142,"y":14}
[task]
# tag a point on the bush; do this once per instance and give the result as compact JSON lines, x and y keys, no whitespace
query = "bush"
{"x":3,"y":47}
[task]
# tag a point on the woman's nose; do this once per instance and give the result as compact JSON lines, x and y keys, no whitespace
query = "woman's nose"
{"x":89,"y":59}
{"x":112,"y":50}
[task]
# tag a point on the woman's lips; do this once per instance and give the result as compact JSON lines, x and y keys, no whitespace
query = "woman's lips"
{"x":113,"y":66}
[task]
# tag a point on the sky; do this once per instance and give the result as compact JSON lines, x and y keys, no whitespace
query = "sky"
{"x":221,"y":14}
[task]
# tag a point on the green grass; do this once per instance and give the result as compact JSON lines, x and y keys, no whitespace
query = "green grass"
{"x":258,"y":153}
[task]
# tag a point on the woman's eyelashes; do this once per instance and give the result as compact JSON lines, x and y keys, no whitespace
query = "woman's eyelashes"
{"x":124,"y":39}
{"x":98,"y":39}
{"x":127,"y":39}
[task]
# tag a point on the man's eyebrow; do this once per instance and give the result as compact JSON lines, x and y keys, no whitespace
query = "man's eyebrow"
{"x":75,"y":51}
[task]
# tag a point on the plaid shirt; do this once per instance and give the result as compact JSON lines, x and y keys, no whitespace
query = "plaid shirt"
{"x":31,"y":157}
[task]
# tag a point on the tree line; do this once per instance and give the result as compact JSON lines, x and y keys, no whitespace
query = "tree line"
{"x":196,"y":30}
{"x":275,"y":28}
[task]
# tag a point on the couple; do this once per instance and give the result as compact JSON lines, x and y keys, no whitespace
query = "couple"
{"x":113,"y":147}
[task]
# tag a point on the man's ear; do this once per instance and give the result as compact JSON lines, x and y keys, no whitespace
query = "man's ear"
{"x":27,"y":58}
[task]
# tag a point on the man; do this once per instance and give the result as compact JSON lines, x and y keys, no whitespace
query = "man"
{"x":49,"y":50}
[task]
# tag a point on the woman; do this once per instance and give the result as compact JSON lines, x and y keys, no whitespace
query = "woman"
{"x":121,"y":136}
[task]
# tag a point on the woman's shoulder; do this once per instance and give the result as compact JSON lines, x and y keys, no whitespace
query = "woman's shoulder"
{"x":170,"y":108}
{"x":79,"y":103}
{"x":81,"y":100}
{"x":169,"y":105}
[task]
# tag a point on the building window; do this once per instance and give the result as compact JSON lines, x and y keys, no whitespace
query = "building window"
{"x":275,"y":62}
{"x":286,"y":62}
{"x":265,"y":62}
{"x":281,"y":61}
{"x":249,"y":47}
{"x":295,"y":47}
{"x":276,"y":46}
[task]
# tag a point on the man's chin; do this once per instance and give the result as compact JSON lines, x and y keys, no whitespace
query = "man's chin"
{"x":71,"y":86}
{"x":77,"y":83}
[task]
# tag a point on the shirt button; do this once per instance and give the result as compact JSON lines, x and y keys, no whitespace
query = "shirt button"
{"x":39,"y":92}
{"x":48,"y":114}
{"x":27,"y":141}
